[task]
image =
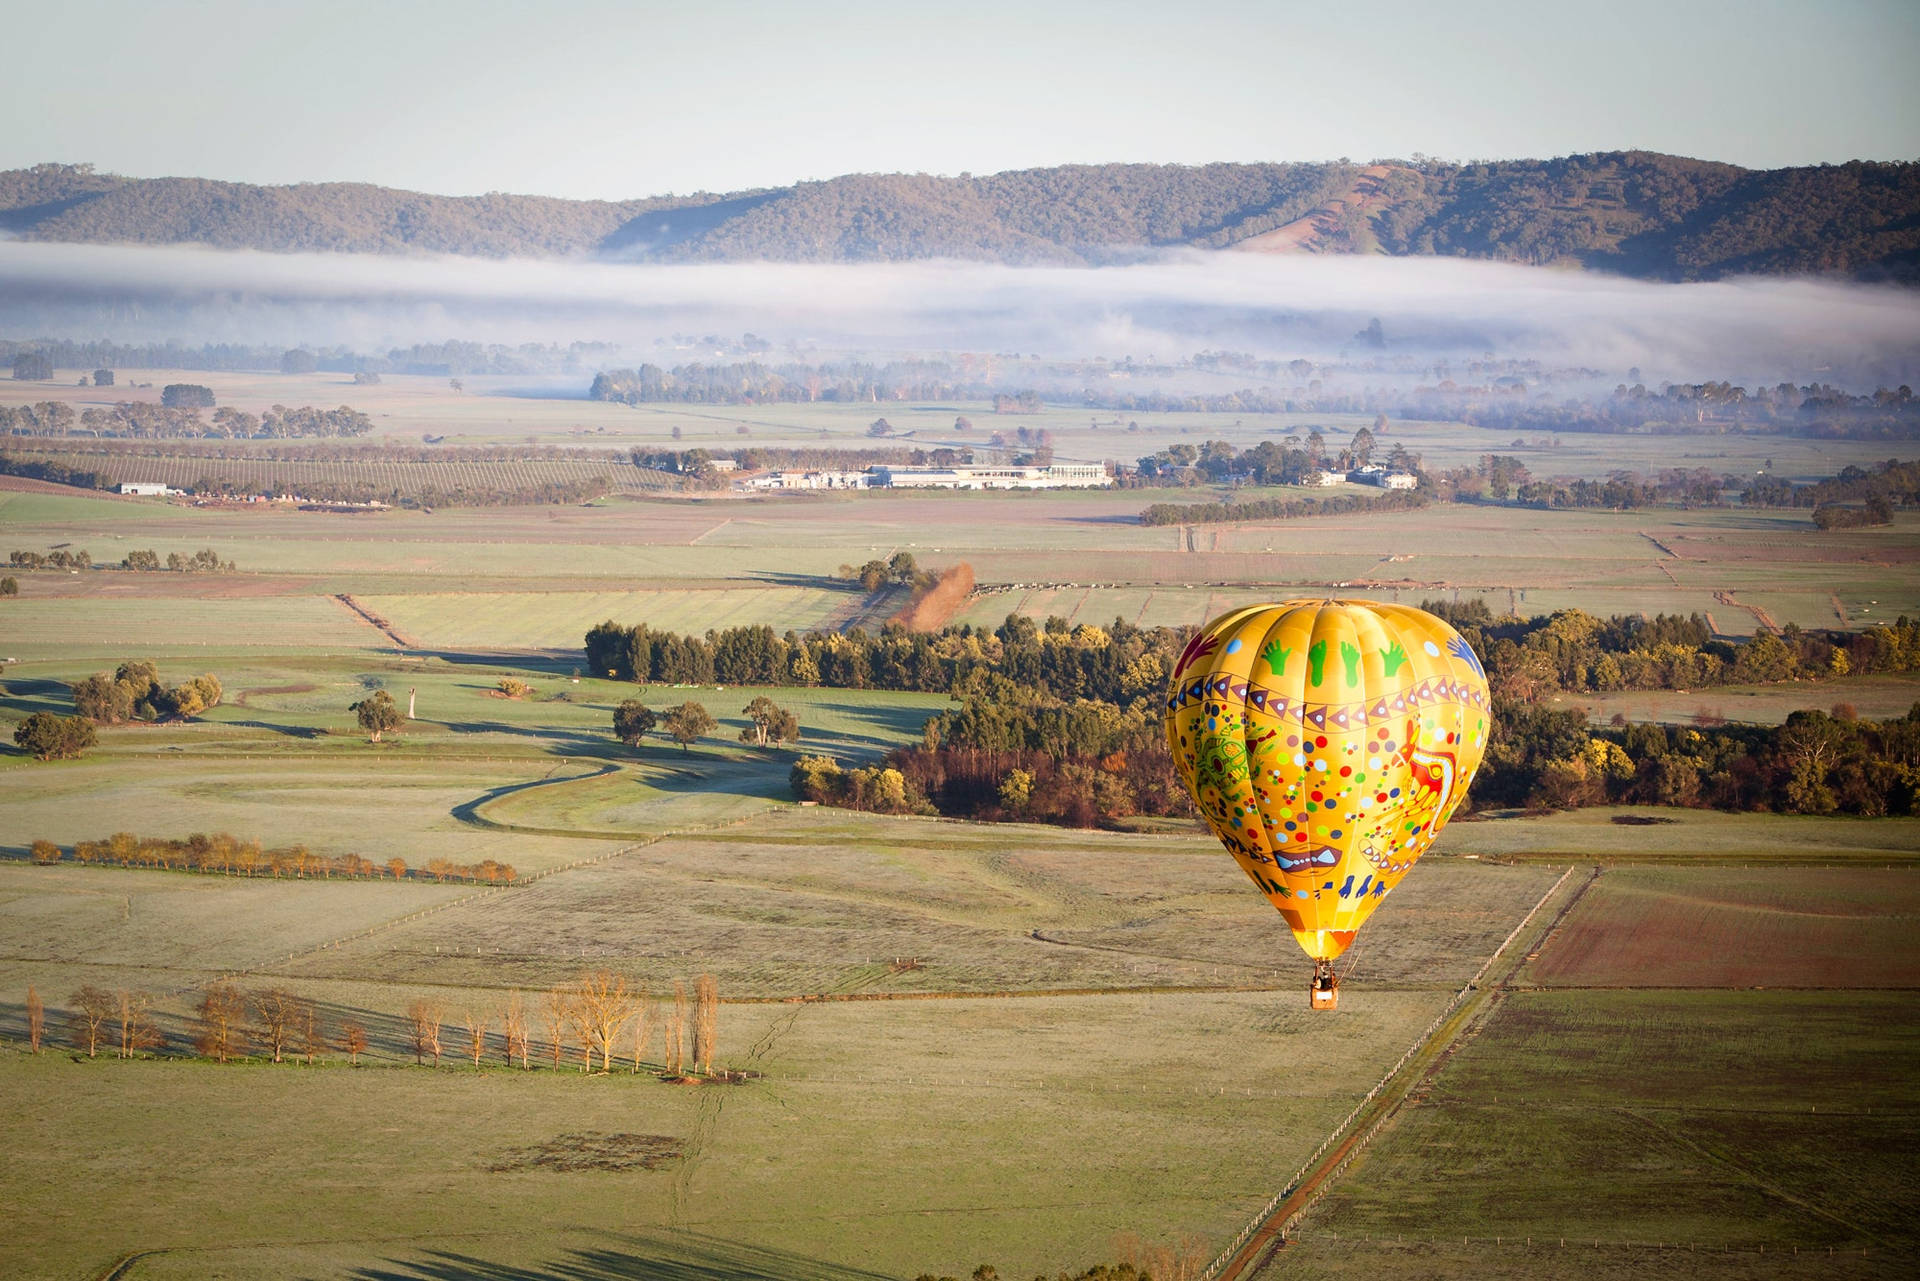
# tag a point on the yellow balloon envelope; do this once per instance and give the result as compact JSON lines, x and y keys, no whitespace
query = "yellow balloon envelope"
{"x":1327,"y":743}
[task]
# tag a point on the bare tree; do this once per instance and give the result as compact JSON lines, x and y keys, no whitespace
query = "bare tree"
{"x":643,"y":1020}
{"x":514,"y":1025}
{"x":353,"y":1039}
{"x":138,"y":1032}
{"x":476,"y":1024}
{"x":220,"y":1031}
{"x":313,"y":1032}
{"x":580,"y":1022}
{"x":604,"y":1006}
{"x":423,"y":1030}
{"x":277,"y":1015}
{"x":36,"y":1020}
{"x":93,"y":1007}
{"x":554,"y":1015}
{"x":706,"y":1021}
{"x":677,"y":1030}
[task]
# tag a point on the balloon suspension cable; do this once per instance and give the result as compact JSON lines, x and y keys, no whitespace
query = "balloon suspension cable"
{"x":1352,"y":959}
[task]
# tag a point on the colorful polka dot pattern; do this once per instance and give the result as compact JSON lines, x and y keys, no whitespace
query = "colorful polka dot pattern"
{"x":1327,"y":743}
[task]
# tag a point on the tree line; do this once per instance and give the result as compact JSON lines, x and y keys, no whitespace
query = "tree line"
{"x":178,"y":417}
{"x":1815,"y":763}
{"x":223,"y":854}
{"x":598,"y":1020}
{"x":1281,"y":508}
{"x":1062,"y":724}
{"x":441,"y":359}
{"x":204,"y":561}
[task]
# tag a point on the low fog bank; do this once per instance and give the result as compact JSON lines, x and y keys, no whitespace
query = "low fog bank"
{"x":1756,"y":331}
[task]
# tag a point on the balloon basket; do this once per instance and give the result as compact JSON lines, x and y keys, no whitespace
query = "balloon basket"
{"x":1323,"y":993}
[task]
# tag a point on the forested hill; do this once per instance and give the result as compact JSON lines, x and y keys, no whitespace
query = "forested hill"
{"x":1638,"y":213}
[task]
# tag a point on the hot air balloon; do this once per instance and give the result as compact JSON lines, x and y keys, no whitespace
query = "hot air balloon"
{"x":1327,"y":743}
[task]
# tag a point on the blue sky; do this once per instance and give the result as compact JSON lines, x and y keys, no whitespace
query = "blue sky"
{"x":616,"y":100}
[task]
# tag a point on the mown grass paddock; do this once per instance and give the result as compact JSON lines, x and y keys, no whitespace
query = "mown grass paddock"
{"x":1703,"y":1069}
{"x":974,"y":1043}
{"x":459,"y":574}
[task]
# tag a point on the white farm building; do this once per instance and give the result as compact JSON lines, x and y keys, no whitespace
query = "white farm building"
{"x":1057,"y":476}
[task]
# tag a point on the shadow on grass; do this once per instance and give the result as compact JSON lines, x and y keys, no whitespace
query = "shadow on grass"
{"x":289,"y":731}
{"x":553,"y":662}
{"x":825,"y":582}
{"x":469,"y":811}
{"x":561,"y":742}
{"x":30,"y":696}
{"x":678,"y":1257}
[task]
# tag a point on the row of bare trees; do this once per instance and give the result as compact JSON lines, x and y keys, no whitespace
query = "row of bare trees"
{"x":597,"y":1020}
{"x":227,"y":1024}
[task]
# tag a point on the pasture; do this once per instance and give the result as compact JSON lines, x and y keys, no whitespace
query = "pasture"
{"x":972,"y":1043}
{"x":1624,"y":1134}
{"x":1717,"y":1053}
{"x":458,"y":575}
{"x":1119,"y":1043}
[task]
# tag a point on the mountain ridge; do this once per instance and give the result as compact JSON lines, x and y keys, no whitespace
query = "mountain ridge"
{"x":1635,"y":213}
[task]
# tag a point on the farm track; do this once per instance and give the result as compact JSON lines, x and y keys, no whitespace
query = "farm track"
{"x":374,"y":621}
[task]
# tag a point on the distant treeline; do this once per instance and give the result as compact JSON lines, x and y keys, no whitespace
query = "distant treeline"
{"x":223,"y":854}
{"x":138,"y":420}
{"x":752,"y":383}
{"x":1280,"y":508}
{"x":339,"y":451}
{"x":1877,"y":490}
{"x":434,"y":359}
{"x":1503,"y":479}
{"x":1504,"y":404}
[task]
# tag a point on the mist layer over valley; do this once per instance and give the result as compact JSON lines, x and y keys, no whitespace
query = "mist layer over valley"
{"x":1580,"y":326}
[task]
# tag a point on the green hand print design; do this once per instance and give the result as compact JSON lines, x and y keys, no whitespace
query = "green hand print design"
{"x":1394,"y":657}
{"x":1276,"y":655}
{"x":1317,"y":660}
{"x":1351,"y":657}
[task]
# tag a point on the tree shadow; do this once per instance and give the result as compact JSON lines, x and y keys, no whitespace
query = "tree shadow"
{"x":824,"y":582}
{"x":554,"y":662}
{"x":561,"y":742}
{"x":680,"y":1256}
{"x":290,"y":731}
{"x":30,"y":696}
